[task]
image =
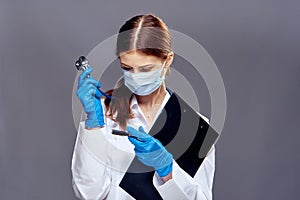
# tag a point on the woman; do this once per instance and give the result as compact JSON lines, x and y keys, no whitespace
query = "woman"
{"x":100,"y":159}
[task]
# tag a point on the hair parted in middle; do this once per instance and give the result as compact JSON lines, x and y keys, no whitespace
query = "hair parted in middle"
{"x":146,"y":34}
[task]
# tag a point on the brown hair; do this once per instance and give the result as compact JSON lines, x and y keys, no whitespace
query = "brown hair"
{"x":148,"y":35}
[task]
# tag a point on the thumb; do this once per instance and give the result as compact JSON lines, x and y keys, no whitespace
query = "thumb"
{"x":134,"y":141}
{"x":141,"y":129}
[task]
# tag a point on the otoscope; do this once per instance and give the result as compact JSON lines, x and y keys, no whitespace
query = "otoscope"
{"x":82,"y":64}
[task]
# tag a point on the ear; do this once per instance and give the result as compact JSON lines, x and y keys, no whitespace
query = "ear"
{"x":169,"y":59}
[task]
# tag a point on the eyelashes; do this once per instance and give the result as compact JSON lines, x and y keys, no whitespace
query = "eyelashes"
{"x":126,"y":68}
{"x":145,"y":69}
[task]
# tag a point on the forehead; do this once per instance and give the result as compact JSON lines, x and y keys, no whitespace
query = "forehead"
{"x":138,"y":59}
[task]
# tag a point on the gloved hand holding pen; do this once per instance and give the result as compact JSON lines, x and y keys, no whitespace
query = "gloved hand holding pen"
{"x":151,"y":152}
{"x":89,"y":95}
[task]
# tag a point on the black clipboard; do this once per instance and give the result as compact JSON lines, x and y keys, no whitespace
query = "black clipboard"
{"x":185,"y":134}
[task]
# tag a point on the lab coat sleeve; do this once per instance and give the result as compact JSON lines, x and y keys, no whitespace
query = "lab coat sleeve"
{"x":90,"y":177}
{"x":183,"y":186}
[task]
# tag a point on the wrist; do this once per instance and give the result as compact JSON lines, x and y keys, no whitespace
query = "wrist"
{"x":94,"y":121}
{"x":168,"y":177}
{"x":91,"y":123}
{"x":165,"y":171}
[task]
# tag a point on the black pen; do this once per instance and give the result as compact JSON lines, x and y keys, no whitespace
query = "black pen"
{"x":122,"y":133}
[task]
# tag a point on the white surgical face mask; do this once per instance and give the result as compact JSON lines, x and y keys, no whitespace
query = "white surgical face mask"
{"x":144,"y":83}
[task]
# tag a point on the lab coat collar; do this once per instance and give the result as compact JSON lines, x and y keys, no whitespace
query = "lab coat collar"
{"x":134,"y":103}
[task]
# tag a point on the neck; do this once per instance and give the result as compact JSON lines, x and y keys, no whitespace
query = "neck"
{"x":155,"y":97}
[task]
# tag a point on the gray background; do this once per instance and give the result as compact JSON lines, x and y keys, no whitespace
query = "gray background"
{"x":254,"y":43}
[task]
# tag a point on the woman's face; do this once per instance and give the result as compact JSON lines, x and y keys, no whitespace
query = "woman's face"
{"x":137,"y":62}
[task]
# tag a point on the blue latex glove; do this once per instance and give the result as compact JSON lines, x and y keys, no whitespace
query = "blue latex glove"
{"x":151,"y":152}
{"x":89,"y":96}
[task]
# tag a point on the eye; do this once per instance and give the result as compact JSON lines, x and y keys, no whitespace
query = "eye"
{"x":126,"y":68}
{"x":146,"y":69}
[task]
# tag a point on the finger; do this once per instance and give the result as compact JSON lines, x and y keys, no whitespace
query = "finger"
{"x":98,"y":94}
{"x":132,"y":140}
{"x":141,"y":129}
{"x":87,"y":85}
{"x":139,"y":146}
{"x":137,"y":133}
{"x":83,"y":75}
{"x":91,"y":90}
{"x":86,"y":90}
{"x":93,"y":81}
{"x":86,"y":93}
{"x":89,"y":82}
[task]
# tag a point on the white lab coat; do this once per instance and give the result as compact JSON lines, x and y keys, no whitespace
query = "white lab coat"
{"x":101,"y":159}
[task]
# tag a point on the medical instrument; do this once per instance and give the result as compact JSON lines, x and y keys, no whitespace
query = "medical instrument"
{"x":123,"y":133}
{"x":83,"y":64}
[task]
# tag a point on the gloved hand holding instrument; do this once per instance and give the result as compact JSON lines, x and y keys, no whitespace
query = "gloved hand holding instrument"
{"x":151,"y":152}
{"x":89,"y":94}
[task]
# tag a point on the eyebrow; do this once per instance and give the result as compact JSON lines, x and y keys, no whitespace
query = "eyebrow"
{"x":138,"y":66}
